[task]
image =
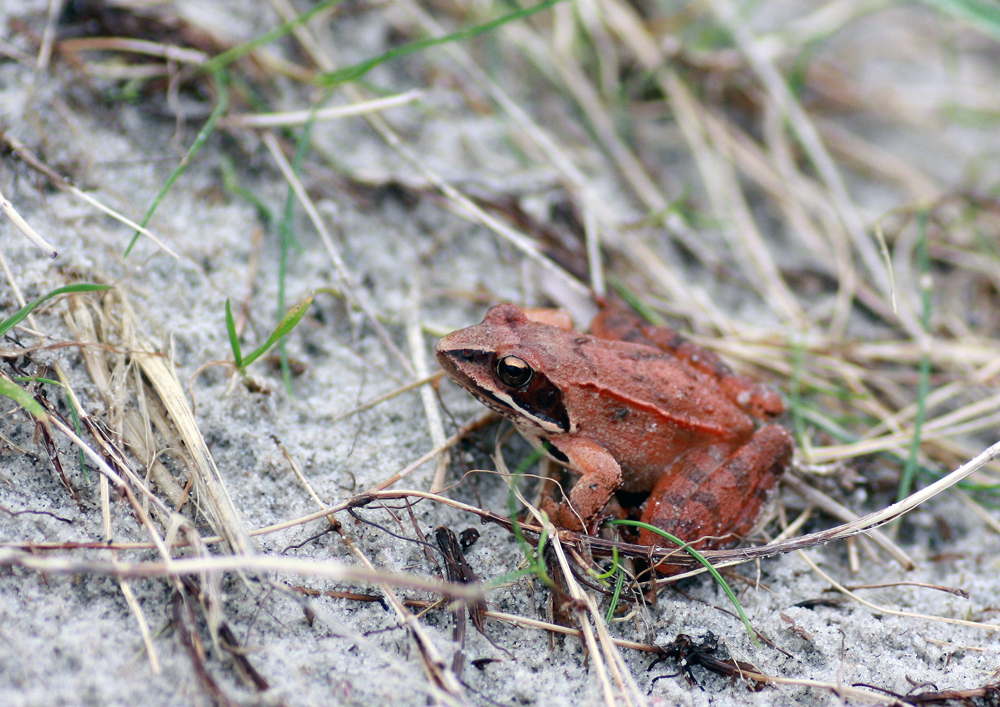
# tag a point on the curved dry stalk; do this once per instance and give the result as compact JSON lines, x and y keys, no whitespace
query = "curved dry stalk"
{"x":885,"y":610}
{"x":602,"y":547}
{"x":872,"y":520}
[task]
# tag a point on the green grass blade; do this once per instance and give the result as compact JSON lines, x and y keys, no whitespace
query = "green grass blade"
{"x":701,"y":558}
{"x":983,"y":15}
{"x":27,"y":309}
{"x":355,"y":71}
{"x":635,"y":302}
{"x":10,"y":389}
{"x":79,"y":433}
{"x":286,"y":235}
{"x":36,"y":379}
{"x":619,"y":583}
{"x":228,"y":57}
{"x":923,"y":389}
{"x":199,"y":141}
{"x":286,"y":324}
{"x":533,"y":556}
{"x":231,"y":183}
{"x":611,"y":570}
{"x":234,"y":339}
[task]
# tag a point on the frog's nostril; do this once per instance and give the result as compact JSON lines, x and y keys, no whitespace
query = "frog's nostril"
{"x":467,"y":354}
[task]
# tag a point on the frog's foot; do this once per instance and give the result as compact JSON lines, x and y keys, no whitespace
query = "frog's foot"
{"x":713,"y":503}
{"x":562,"y":515}
{"x":600,"y":477}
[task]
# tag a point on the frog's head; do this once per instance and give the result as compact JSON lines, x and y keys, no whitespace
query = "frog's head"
{"x":497,"y":362}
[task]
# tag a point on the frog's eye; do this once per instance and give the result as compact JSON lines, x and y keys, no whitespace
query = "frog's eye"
{"x":514,"y":372}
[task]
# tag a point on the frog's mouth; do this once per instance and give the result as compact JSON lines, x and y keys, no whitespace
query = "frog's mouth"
{"x":455,"y":363}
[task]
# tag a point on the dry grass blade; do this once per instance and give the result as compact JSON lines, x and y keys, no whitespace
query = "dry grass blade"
{"x":831,"y":507}
{"x":729,"y":203}
{"x":348,"y":283}
{"x":977,"y":508}
{"x":60,"y":182}
{"x":209,"y":486}
{"x":49,"y":35}
{"x":440,"y":449}
{"x":126,"y":589}
{"x":585,"y":609}
{"x":779,"y":92}
{"x":181,"y":55}
{"x":885,"y":610}
{"x":432,"y":378}
{"x":301,"y":117}
{"x":975,"y":416}
{"x":554,"y":57}
{"x":564,"y":630}
{"x":584,"y":615}
{"x":467,"y":208}
{"x":441,"y":677}
{"x":418,"y":354}
{"x":232,"y":563}
{"x":25,"y":228}
{"x":134,"y":429}
{"x":437,"y":669}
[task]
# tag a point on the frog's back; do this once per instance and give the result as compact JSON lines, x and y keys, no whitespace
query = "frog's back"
{"x":621,"y":379}
{"x":641,"y":404}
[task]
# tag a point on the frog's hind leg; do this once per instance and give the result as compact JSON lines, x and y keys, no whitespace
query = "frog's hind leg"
{"x":711,"y":502}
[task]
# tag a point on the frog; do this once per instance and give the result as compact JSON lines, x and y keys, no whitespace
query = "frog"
{"x":630,"y":407}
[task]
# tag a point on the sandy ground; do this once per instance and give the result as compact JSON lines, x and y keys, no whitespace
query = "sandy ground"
{"x":73,"y":640}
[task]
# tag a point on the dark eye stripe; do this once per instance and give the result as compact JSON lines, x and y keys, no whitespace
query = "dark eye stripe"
{"x":468,"y":354}
{"x":542,"y":400}
{"x":555,"y":453}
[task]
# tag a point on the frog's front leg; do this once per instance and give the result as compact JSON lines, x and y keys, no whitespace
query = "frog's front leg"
{"x":712,"y":502}
{"x":600,"y":477}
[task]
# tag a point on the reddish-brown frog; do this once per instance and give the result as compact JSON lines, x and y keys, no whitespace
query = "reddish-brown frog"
{"x":631,"y":407}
